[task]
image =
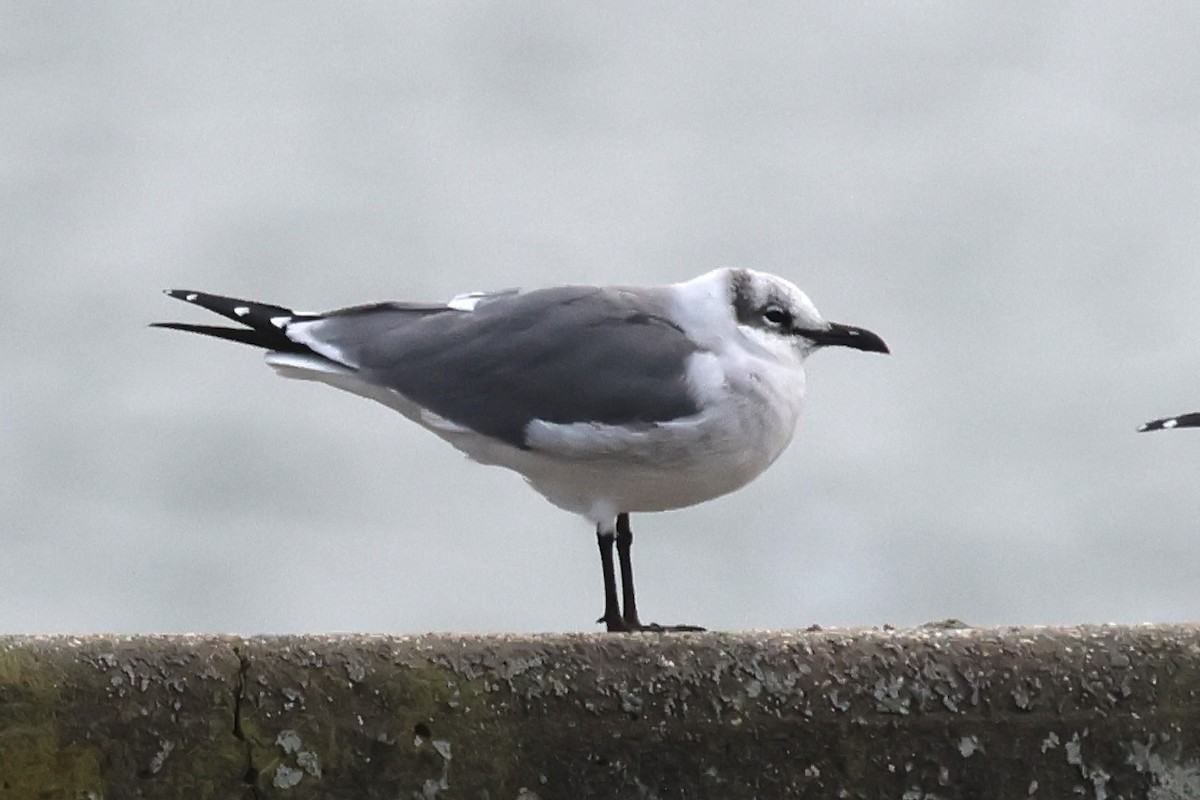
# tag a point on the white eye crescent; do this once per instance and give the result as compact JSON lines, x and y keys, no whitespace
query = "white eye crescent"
{"x":777,"y":317}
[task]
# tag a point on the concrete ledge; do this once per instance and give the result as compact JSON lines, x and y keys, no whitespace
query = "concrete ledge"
{"x":1097,"y":712}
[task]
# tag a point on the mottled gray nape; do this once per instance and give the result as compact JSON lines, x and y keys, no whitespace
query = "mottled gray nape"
{"x":563,"y":355}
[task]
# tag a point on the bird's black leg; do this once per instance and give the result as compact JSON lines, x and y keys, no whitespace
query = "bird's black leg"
{"x":612,"y":611}
{"x":630,"y":617}
{"x":628,"y":602}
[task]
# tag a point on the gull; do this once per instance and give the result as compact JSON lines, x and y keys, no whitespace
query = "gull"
{"x":608,"y":400}
{"x":1166,"y":423}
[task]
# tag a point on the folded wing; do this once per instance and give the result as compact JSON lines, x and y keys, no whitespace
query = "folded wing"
{"x":492,"y":365}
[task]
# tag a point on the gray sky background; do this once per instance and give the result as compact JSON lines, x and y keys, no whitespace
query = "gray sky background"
{"x":1008,"y":193}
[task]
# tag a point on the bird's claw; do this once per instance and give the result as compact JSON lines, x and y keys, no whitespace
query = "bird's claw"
{"x":622,"y":625}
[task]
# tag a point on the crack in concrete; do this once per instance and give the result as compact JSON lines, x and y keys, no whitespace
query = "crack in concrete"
{"x":250,"y":776}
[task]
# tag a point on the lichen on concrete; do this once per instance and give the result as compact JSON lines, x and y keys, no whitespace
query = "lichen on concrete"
{"x":34,"y":757}
{"x":113,"y":717}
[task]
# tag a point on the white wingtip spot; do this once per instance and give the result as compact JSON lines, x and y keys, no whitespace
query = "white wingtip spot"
{"x":1171,"y":423}
{"x":241,"y":311}
{"x":280,"y":322}
{"x":191,"y":298}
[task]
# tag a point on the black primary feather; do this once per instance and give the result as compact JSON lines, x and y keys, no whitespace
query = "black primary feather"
{"x":1166,"y":423}
{"x":264,"y":323}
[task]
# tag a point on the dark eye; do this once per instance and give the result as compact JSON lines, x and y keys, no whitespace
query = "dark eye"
{"x":777,"y":317}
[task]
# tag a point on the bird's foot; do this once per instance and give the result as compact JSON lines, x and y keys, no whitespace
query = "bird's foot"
{"x":622,"y":625}
{"x":654,"y":627}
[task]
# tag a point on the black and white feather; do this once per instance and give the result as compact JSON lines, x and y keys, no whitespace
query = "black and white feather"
{"x":1166,"y":423}
{"x":265,"y":324}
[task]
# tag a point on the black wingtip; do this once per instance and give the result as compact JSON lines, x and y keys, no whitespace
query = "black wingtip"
{"x":250,"y":313}
{"x":1191,"y":420}
{"x":266,"y":339}
{"x":264,"y":324}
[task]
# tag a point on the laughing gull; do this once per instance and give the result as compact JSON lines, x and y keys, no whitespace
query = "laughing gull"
{"x":607,"y":399}
{"x":1182,"y":421}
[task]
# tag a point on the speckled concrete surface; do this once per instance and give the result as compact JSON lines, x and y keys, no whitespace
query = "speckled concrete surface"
{"x":933,"y":712}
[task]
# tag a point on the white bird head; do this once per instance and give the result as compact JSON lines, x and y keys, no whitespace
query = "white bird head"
{"x":773,"y":311}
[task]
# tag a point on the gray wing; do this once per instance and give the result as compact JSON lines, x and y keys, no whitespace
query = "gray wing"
{"x":564,"y":355}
